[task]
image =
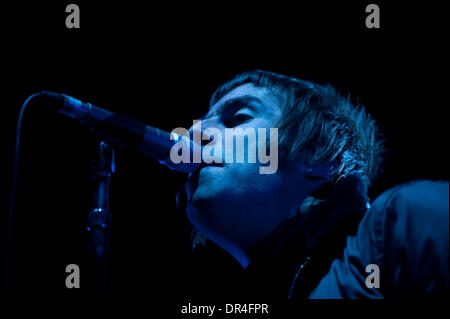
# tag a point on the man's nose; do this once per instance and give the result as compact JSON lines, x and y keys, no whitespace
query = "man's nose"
{"x":196,"y":132}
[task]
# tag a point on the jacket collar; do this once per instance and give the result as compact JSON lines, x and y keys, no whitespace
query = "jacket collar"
{"x":311,"y":240}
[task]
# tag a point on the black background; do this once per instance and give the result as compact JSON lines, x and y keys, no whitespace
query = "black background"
{"x":160,"y":63}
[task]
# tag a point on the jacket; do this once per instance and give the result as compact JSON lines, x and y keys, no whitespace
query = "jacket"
{"x":346,"y":248}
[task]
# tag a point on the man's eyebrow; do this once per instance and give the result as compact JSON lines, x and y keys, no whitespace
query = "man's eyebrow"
{"x":245,"y":100}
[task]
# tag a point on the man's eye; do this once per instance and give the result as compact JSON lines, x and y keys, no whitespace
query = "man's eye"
{"x":237,"y":119}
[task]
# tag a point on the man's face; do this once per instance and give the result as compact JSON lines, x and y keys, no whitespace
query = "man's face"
{"x":232,"y":203}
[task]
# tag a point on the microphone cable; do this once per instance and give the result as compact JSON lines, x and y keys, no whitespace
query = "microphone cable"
{"x":8,"y":247}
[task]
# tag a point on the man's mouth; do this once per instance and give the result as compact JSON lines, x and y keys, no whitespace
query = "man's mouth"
{"x":203,"y":165}
{"x":193,"y":178}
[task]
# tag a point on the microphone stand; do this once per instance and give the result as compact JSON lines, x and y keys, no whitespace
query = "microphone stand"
{"x":99,"y":219}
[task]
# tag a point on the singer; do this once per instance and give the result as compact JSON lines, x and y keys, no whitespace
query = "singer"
{"x":310,"y":230}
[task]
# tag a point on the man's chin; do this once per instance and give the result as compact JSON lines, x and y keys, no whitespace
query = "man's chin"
{"x":202,"y":204}
{"x":204,"y":195}
{"x":197,"y":212}
{"x":201,"y":198}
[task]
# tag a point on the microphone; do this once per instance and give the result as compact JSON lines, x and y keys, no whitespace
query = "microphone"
{"x":122,"y":130}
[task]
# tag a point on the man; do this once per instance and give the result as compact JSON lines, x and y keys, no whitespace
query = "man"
{"x":308,"y":230}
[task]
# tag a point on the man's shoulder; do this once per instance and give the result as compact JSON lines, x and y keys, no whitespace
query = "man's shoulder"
{"x":405,"y":232}
{"x":418,"y":199}
{"x":415,"y":223}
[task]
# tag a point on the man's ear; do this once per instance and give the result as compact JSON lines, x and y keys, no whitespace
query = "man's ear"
{"x":318,"y":171}
{"x":320,"y":176}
